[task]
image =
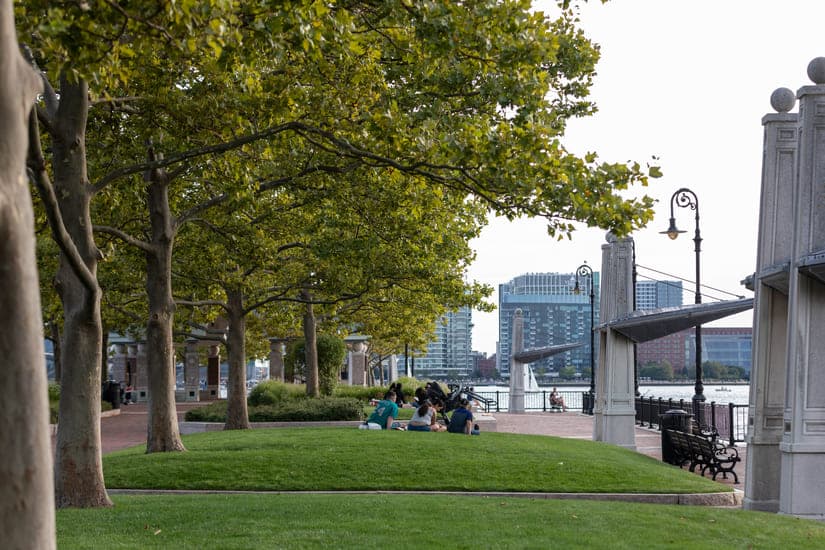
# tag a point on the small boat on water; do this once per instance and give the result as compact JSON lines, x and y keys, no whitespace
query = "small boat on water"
{"x":723,"y":388}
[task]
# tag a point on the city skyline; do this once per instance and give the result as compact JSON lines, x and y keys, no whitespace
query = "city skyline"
{"x":694,"y":101}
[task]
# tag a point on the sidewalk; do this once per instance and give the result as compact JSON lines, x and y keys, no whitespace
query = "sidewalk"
{"x":128,"y":429}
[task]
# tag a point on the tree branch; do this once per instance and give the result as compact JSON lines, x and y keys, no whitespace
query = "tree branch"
{"x":123,"y":236}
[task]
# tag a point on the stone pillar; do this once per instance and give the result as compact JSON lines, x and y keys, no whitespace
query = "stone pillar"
{"x":516,"y":367}
{"x":276,"y":359}
{"x":802,"y":483}
{"x":615,"y":391}
{"x":604,"y":312}
{"x":141,"y":393}
{"x":191,"y":372}
{"x":213,"y":374}
{"x":770,"y":311}
{"x":118,"y":369}
{"x":392,"y":362}
{"x":357,"y":364}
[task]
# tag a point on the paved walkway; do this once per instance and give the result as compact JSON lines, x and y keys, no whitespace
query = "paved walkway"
{"x":128,"y":429}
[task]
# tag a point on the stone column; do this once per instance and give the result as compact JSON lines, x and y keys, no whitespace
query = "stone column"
{"x":770,"y":311}
{"x":604,"y":316}
{"x":802,"y":484}
{"x":516,"y":367}
{"x":118,"y":369}
{"x":615,"y":389}
{"x":213,"y":374}
{"x":141,"y":393}
{"x":191,"y":371}
{"x":357,"y":362}
{"x":276,"y":359}
{"x":393,"y":368}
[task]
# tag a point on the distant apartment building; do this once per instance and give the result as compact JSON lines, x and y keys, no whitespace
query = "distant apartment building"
{"x":730,"y":346}
{"x":483,"y":366}
{"x":658,"y":294}
{"x":553,"y":315}
{"x":449,"y":355}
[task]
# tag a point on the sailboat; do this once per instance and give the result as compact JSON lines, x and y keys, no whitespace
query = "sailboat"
{"x":530,"y":382}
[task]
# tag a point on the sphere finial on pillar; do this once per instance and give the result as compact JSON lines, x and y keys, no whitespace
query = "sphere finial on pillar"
{"x":816,"y":70}
{"x":783,"y":100}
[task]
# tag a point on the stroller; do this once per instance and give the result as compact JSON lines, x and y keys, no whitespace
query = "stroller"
{"x":450,"y":401}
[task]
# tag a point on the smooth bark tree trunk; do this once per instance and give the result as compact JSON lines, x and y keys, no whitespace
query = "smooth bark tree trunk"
{"x":237,"y":414}
{"x":79,"y":467}
{"x":26,"y":490}
{"x":310,"y":347}
{"x":163,"y":432}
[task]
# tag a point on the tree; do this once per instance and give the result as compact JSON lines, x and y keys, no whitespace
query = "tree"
{"x":26,"y":490}
{"x":331,"y":354}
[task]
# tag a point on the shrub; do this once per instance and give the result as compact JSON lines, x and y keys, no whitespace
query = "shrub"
{"x":273,"y":392}
{"x":326,"y":409}
{"x":359,"y":392}
{"x":213,"y":412}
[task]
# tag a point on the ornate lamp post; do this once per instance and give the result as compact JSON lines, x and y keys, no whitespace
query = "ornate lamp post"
{"x":585,"y":270}
{"x":685,"y":198}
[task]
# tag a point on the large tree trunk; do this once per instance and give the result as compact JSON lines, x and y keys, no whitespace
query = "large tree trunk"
{"x":310,"y":347}
{"x":26,"y":490}
{"x":79,"y":469}
{"x":237,"y":415}
{"x":163,"y":432}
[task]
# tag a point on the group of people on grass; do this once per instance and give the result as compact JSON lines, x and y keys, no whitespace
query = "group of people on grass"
{"x":425,"y":417}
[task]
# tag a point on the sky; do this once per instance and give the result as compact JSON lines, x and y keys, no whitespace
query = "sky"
{"x":689,"y":83}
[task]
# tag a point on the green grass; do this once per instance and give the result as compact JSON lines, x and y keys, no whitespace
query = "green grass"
{"x":418,"y":521}
{"x":298,"y":459}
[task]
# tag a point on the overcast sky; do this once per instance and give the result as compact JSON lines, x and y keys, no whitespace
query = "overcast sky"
{"x":688,"y":82}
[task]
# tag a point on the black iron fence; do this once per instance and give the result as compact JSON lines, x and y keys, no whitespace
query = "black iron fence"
{"x":533,"y":400}
{"x":729,"y":420}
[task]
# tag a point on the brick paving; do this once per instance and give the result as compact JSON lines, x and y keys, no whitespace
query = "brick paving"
{"x":128,"y":429}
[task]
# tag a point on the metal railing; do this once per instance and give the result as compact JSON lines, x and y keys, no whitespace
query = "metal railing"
{"x":729,"y":420}
{"x":533,"y":400}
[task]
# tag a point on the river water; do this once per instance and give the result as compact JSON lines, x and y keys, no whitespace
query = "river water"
{"x":720,"y":393}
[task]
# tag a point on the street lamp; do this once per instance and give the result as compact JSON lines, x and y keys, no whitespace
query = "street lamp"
{"x":685,"y":198}
{"x":585,"y":270}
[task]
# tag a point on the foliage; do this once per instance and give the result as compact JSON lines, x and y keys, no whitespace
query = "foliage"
{"x":361,"y":393}
{"x":331,"y":354}
{"x":657,"y":371}
{"x":274,"y":392}
{"x":713,"y":370}
{"x":290,"y":407}
{"x":310,"y":410}
{"x":338,"y":521}
{"x":567,"y":373}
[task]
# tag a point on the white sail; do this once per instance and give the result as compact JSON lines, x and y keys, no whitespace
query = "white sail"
{"x":530,"y":383}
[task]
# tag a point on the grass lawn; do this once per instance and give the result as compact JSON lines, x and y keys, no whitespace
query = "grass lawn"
{"x":412,"y":521}
{"x":349,"y":459}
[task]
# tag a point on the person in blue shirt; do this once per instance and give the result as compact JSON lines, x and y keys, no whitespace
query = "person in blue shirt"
{"x":461,"y":422}
{"x":385,"y":413}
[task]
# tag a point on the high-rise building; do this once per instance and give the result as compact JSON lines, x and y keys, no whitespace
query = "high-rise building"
{"x":553,"y":315}
{"x":449,"y":355}
{"x":658,"y":294}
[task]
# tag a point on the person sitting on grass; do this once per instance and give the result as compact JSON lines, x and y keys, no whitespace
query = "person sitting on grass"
{"x":423,"y":419}
{"x":461,"y":422}
{"x":385,"y":413}
{"x":556,"y":400}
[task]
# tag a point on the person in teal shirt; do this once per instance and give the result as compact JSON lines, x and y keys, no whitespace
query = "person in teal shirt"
{"x":386,"y":411}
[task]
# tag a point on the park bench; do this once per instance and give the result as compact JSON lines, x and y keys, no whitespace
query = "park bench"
{"x":703,"y":451}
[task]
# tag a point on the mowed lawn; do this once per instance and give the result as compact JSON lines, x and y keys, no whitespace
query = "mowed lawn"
{"x":267,"y":521}
{"x":341,"y":459}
